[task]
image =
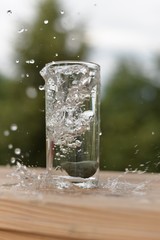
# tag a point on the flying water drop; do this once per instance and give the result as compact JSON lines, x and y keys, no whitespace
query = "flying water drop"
{"x":10,"y":146}
{"x":32,"y":61}
{"x":41,"y":88}
{"x":6,"y":133}
{"x":46,"y":21}
{"x":62,"y":12}
{"x":9,"y":12}
{"x":13,"y":160}
{"x":17,"y":151}
{"x":21,"y":30}
{"x":14,"y":127}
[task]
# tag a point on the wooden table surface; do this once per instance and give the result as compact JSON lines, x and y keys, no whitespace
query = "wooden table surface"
{"x":123,"y":207}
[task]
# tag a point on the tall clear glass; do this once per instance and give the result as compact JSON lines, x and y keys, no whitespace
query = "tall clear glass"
{"x":72,"y":108}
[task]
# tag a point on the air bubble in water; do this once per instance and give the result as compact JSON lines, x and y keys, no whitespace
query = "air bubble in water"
{"x":78,"y":143}
{"x":6,"y":133}
{"x":62,"y":12}
{"x":17,"y":151}
{"x":46,"y":21}
{"x":14,"y":127}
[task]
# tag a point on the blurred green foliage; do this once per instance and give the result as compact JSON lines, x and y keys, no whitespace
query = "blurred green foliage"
{"x":130,"y":113}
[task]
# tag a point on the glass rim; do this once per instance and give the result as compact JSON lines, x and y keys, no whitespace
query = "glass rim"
{"x":71,"y":62}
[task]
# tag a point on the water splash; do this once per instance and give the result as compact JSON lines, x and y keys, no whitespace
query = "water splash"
{"x":68,"y":119}
{"x":40,"y":181}
{"x":123,"y":187}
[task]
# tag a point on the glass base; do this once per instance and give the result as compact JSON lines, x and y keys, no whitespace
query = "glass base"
{"x":91,"y":182}
{"x":64,"y":181}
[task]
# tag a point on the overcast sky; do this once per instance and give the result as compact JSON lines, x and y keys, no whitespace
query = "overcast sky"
{"x":114,"y":28}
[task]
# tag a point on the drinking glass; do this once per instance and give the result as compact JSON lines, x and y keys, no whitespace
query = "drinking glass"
{"x":72,"y":112}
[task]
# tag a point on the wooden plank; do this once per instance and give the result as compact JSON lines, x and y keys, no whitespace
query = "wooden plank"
{"x":85,"y":214}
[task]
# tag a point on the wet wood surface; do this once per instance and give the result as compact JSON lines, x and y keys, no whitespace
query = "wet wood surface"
{"x":123,"y":207}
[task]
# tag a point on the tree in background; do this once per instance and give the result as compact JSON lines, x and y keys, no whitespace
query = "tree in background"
{"x":130,"y":113}
{"x":48,"y":37}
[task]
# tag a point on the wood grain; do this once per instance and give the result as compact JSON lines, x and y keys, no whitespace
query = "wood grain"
{"x":89,"y":214}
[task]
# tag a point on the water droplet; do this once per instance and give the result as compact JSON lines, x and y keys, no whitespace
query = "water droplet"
{"x":10,"y":146}
{"x":14,"y":127}
{"x":153,"y":133}
{"x":21,"y":30}
{"x":9,"y":12}
{"x":100,"y":134}
{"x":137,"y":151}
{"x":17,"y":151}
{"x":6,"y":133}
{"x":54,"y":37}
{"x":46,"y":21}
{"x":62,"y":12}
{"x":31,"y":92}
{"x":22,"y":75}
{"x":17,"y":61}
{"x":56,"y":54}
{"x":27,"y":75}
{"x":32,"y":61}
{"x":142,"y":165}
{"x":13,"y":160}
{"x":41,"y":88}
